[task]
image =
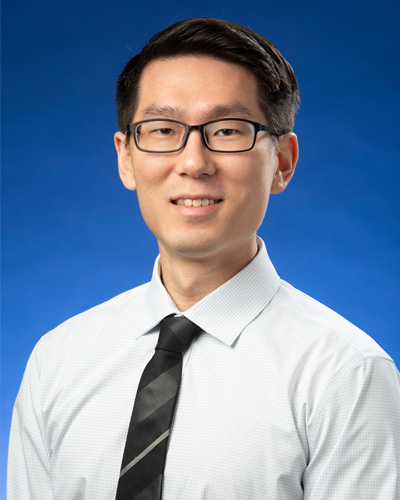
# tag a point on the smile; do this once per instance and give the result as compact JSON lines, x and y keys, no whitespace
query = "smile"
{"x":197,"y":202}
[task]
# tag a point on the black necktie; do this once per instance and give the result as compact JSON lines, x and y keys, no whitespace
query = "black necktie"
{"x":146,"y":443}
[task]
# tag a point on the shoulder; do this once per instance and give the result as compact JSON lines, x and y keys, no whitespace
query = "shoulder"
{"x":83,"y":331}
{"x":327,"y":361}
{"x":312,"y":323}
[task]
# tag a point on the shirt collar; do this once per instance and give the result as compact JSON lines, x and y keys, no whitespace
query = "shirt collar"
{"x":226,"y":311}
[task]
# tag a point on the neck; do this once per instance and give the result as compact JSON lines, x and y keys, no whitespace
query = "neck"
{"x":189,"y":280}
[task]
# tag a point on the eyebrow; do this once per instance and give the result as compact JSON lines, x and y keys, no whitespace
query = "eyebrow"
{"x":235,"y":109}
{"x":154,"y":111}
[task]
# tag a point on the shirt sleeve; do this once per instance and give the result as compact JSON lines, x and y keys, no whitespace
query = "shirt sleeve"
{"x":28,"y":459}
{"x":355,"y":437}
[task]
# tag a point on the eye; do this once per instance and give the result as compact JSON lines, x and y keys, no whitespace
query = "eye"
{"x":226,"y":132}
{"x":163,"y":131}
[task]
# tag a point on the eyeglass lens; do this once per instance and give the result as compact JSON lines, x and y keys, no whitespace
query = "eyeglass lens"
{"x":225,"y":135}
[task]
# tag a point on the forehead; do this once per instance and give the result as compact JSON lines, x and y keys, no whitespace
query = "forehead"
{"x":191,"y":87}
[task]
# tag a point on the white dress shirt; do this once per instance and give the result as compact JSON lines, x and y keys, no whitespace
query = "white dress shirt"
{"x":281,"y":399}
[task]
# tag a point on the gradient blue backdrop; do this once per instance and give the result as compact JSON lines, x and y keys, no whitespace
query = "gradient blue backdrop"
{"x":73,"y":237}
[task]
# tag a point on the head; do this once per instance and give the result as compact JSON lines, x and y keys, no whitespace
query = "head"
{"x":278,"y":95}
{"x":206,"y":205}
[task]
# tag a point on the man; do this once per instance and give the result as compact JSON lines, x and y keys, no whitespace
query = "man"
{"x":280,"y":397}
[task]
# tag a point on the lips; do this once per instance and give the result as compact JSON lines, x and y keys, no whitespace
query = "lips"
{"x":196,"y":202}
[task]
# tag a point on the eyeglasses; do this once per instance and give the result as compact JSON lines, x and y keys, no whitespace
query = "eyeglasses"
{"x":230,"y":135}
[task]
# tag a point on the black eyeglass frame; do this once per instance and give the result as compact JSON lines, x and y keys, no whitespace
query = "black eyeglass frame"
{"x":130,"y":129}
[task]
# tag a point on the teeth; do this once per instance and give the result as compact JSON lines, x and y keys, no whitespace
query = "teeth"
{"x":198,"y":202}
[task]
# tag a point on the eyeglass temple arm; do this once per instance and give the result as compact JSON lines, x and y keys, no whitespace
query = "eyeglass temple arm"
{"x":265,"y":128}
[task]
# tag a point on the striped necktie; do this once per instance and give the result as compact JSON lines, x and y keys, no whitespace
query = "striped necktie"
{"x":147,"y":440}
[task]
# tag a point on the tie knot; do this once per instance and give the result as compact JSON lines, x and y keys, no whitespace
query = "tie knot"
{"x":176,"y":333}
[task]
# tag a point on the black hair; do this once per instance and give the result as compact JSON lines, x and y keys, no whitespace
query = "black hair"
{"x":278,"y":93}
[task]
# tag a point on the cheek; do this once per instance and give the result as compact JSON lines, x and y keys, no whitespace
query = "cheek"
{"x":149,"y":174}
{"x":255,"y":186}
{"x":257,"y":178}
{"x":148,"y":195}
{"x":251,"y":201}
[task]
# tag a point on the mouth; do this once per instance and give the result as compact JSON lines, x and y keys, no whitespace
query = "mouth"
{"x":196,"y":202}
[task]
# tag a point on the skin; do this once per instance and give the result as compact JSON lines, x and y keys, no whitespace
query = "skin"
{"x":203,"y":247}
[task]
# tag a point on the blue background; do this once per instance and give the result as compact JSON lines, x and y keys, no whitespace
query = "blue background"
{"x":73,"y":237}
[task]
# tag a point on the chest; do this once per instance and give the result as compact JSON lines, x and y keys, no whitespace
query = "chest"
{"x":236,"y":432}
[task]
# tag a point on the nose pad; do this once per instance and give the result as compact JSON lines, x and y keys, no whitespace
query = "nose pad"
{"x":195,"y":128}
{"x":194,"y":158}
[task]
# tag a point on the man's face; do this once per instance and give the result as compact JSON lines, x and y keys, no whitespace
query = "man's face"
{"x":237,"y":186}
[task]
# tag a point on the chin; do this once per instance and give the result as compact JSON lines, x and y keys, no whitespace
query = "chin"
{"x":191,"y":246}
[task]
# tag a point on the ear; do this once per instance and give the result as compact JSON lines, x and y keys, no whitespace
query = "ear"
{"x":288,"y":155}
{"x":125,"y":167}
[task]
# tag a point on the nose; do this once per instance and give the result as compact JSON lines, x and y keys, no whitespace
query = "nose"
{"x":195,"y":159}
